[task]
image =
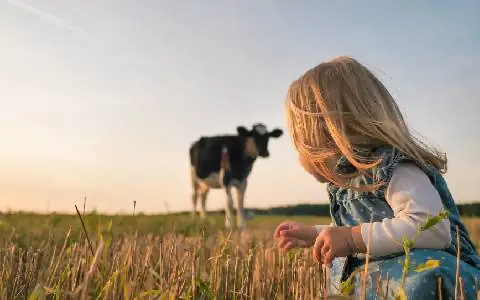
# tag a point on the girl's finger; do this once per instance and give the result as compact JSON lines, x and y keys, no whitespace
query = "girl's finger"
{"x":283,"y":226}
{"x":282,"y":242}
{"x":289,"y":232}
{"x":328,"y":258}
{"x":317,"y":248}
{"x":296,"y":242}
{"x":325,"y":249}
{"x":290,"y":245}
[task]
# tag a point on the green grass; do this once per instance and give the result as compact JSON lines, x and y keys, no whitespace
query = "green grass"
{"x":26,"y":229}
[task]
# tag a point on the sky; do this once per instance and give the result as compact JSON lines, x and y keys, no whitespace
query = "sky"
{"x":102,"y":99}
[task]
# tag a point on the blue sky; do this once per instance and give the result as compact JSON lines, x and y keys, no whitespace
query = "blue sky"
{"x":103,"y":98}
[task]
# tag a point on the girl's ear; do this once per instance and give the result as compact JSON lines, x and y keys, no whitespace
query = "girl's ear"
{"x":276,"y":133}
{"x":242,"y":131}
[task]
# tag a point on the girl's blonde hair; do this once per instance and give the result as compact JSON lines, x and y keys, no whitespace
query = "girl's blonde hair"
{"x":339,"y":107}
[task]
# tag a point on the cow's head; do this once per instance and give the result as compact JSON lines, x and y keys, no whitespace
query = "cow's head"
{"x":257,"y":139}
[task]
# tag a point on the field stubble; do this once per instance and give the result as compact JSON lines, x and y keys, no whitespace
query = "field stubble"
{"x":154,"y":257}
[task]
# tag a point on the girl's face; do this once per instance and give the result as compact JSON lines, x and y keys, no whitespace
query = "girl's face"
{"x":308,"y":166}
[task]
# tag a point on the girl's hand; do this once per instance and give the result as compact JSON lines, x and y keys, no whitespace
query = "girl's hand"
{"x":292,"y":234}
{"x":336,"y":242}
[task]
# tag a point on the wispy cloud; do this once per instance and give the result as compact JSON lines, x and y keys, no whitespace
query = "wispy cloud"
{"x":49,"y":18}
{"x":133,"y":64}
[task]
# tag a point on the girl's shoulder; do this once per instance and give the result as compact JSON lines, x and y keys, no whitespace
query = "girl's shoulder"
{"x":390,"y":159}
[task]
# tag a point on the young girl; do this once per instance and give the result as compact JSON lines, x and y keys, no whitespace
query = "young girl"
{"x":349,"y":133}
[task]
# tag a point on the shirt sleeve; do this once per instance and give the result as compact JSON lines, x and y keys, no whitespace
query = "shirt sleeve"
{"x":412,"y":197}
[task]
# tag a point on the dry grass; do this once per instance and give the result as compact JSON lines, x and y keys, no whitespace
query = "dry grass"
{"x":147,"y":266}
{"x":165,"y":257}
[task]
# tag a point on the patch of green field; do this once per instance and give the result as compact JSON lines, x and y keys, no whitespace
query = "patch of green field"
{"x":27,"y":229}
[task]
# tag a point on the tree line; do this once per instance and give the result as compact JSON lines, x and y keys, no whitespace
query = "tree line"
{"x":323,"y":210}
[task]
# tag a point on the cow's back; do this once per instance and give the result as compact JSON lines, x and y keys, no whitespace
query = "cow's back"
{"x":206,"y":152}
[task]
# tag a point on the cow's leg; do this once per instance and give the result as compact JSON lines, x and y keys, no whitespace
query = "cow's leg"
{"x":194,"y":203}
{"x":203,"y":198}
{"x":194,"y":190}
{"x":229,"y":208}
{"x":240,"y":210}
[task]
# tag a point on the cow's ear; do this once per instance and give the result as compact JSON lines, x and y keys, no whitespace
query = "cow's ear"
{"x":242,"y":131}
{"x":276,"y":133}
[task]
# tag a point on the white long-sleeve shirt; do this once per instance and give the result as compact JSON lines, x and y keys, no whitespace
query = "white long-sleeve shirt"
{"x":412,"y":197}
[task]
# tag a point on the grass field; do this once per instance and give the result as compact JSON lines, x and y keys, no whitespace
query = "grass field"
{"x":153,"y":257}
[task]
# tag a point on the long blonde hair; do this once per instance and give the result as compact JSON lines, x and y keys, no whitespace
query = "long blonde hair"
{"x":338,"y":107}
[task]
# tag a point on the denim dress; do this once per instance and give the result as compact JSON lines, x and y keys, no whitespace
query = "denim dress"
{"x":350,"y":208}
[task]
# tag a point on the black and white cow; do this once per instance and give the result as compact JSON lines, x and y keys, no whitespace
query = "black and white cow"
{"x":225,"y":161}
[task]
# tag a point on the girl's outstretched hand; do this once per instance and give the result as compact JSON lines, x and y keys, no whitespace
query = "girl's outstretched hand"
{"x":335,"y":242}
{"x":292,"y":234}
